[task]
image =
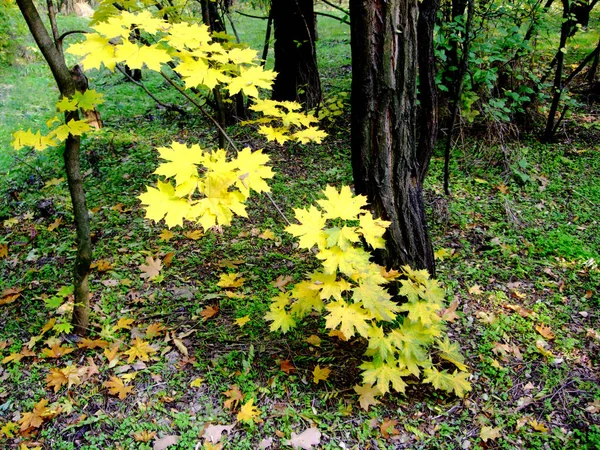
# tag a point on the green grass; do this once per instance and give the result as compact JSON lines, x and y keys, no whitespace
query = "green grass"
{"x":525,"y":254}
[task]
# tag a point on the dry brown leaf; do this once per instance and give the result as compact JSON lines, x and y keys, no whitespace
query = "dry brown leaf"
{"x":287,"y":366}
{"x":282,"y":281}
{"x":590,"y":332}
{"x":387,"y":428}
{"x":140,"y":350}
{"x":212,"y":433}
{"x":168,"y":259}
{"x":10,"y":295}
{"x":92,"y":343}
{"x":36,"y":417}
{"x":306,"y":440}
{"x":538,"y":426}
{"x":523,"y":312}
{"x":234,"y":397}
{"x":153,"y":330}
{"x":56,"y":351}
{"x":209,"y":311}
{"x":3,"y":251}
{"x":545,"y":331}
{"x":165,"y":441}
{"x":449,"y":314}
{"x":151,"y":269}
{"x":102,"y":265}
{"x":475,"y":290}
{"x":180,"y":346}
{"x":593,"y":407}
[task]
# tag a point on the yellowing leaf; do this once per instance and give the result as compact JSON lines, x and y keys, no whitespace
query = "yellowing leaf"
{"x":230,"y":280}
{"x":234,"y":397}
{"x":310,"y":231}
{"x":36,"y":417}
{"x":487,"y":433}
{"x":162,"y":203}
{"x":450,"y":351}
{"x":248,"y":412}
{"x":367,"y":394}
{"x":123,"y":323}
{"x":73,"y":127}
{"x":538,"y":426}
{"x":209,"y":311}
{"x":351,"y":318}
{"x":194,"y":235}
{"x":166,"y":235}
{"x":3,"y":251}
{"x":475,"y":290}
{"x":320,"y":374}
{"x":313,"y":340}
{"x":279,"y":135}
{"x":382,"y":374}
{"x":250,"y":79}
{"x":310,"y":134}
{"x":136,"y":56}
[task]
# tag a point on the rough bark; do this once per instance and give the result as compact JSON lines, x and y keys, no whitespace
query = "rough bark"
{"x":67,"y":86}
{"x":387,"y":163}
{"x":295,"y":54}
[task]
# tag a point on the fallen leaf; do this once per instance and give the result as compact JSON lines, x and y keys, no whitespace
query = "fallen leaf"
{"x":443,"y":253}
{"x":168,"y":259}
{"x":320,"y":374}
{"x":313,"y":340}
{"x":489,"y":318}
{"x":10,"y":295}
{"x":282,"y":281}
{"x":545,"y":331}
{"x":56,"y":351}
{"x":180,"y":346}
{"x":166,"y":235}
{"x":590,"y":332}
{"x":338,"y":334}
{"x":144,"y":436}
{"x":265,"y":443}
{"x":475,"y":290}
{"x":194,"y":235}
{"x":287,"y":367}
{"x":36,"y":417}
{"x":151,"y":269}
{"x":92,"y":343}
{"x":102,"y":265}
{"x":538,"y":426}
{"x":153,"y":330}
{"x":140,"y":350}
{"x":593,"y":407}
{"x":3,"y":250}
{"x":54,"y":225}
{"x":367,"y":394}
{"x":487,"y":433}
{"x":523,"y":312}
{"x":248,"y":412}
{"x":305,"y":440}
{"x":387,"y":428}
{"x":212,"y":433}
{"x":209,"y":311}
{"x":241,"y":321}
{"x":123,"y":323}
{"x":449,"y":314}
{"x":165,"y":441}
{"x":230,"y":280}
{"x":197,"y":382}
{"x":267,"y":234}
{"x":542,"y":348}
{"x":116,"y":387}
{"x":234,"y":397}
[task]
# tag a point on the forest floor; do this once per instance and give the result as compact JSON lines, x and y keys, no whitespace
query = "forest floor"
{"x":517,"y":245}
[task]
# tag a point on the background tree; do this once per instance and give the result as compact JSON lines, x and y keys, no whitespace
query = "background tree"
{"x":68,"y":83}
{"x":295,"y":54}
{"x":388,"y":161}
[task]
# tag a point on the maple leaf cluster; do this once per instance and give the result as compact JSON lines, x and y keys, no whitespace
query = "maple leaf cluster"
{"x":209,"y":189}
{"x":352,"y":291}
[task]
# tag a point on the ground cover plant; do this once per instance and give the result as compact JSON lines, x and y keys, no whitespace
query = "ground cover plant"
{"x":179,"y":354}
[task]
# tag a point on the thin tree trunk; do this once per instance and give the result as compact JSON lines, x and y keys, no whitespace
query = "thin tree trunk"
{"x":557,"y":85}
{"x":67,"y":87}
{"x":386,"y":162}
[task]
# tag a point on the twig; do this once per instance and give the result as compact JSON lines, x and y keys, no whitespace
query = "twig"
{"x":252,"y":16}
{"x":339,"y":8}
{"x":169,"y":106}
{"x":67,"y":33}
{"x":341,"y":19}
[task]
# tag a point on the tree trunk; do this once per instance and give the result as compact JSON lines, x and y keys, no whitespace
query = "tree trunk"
{"x":67,"y":86}
{"x":295,"y":53}
{"x":387,"y":160}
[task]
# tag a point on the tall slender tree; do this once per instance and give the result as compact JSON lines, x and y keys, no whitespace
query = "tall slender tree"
{"x":68,"y":82}
{"x":390,"y":156}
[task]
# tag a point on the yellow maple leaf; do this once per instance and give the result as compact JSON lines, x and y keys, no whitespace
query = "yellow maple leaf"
{"x":248,"y":412}
{"x":73,"y":127}
{"x":28,"y":139}
{"x":279,"y":135}
{"x":327,"y":285}
{"x":310,"y":231}
{"x":140,"y":350}
{"x":166,"y":235}
{"x":184,"y":35}
{"x":367,"y":394}
{"x":162,"y":203}
{"x":253,"y":171}
{"x":342,"y":204}
{"x":230,"y":280}
{"x":241,"y":321}
{"x":310,"y":134}
{"x":373,"y":230}
{"x":250,"y":79}
{"x":320,"y":374}
{"x":181,"y":162}
{"x":196,"y":72}
{"x":136,"y":56}
{"x":96,"y":50}
{"x":383,"y":374}
{"x":116,"y":387}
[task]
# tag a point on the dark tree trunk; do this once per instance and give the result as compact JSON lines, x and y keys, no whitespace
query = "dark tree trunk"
{"x":557,"y":87}
{"x":388,"y":162}
{"x":67,"y":86}
{"x":295,"y":54}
